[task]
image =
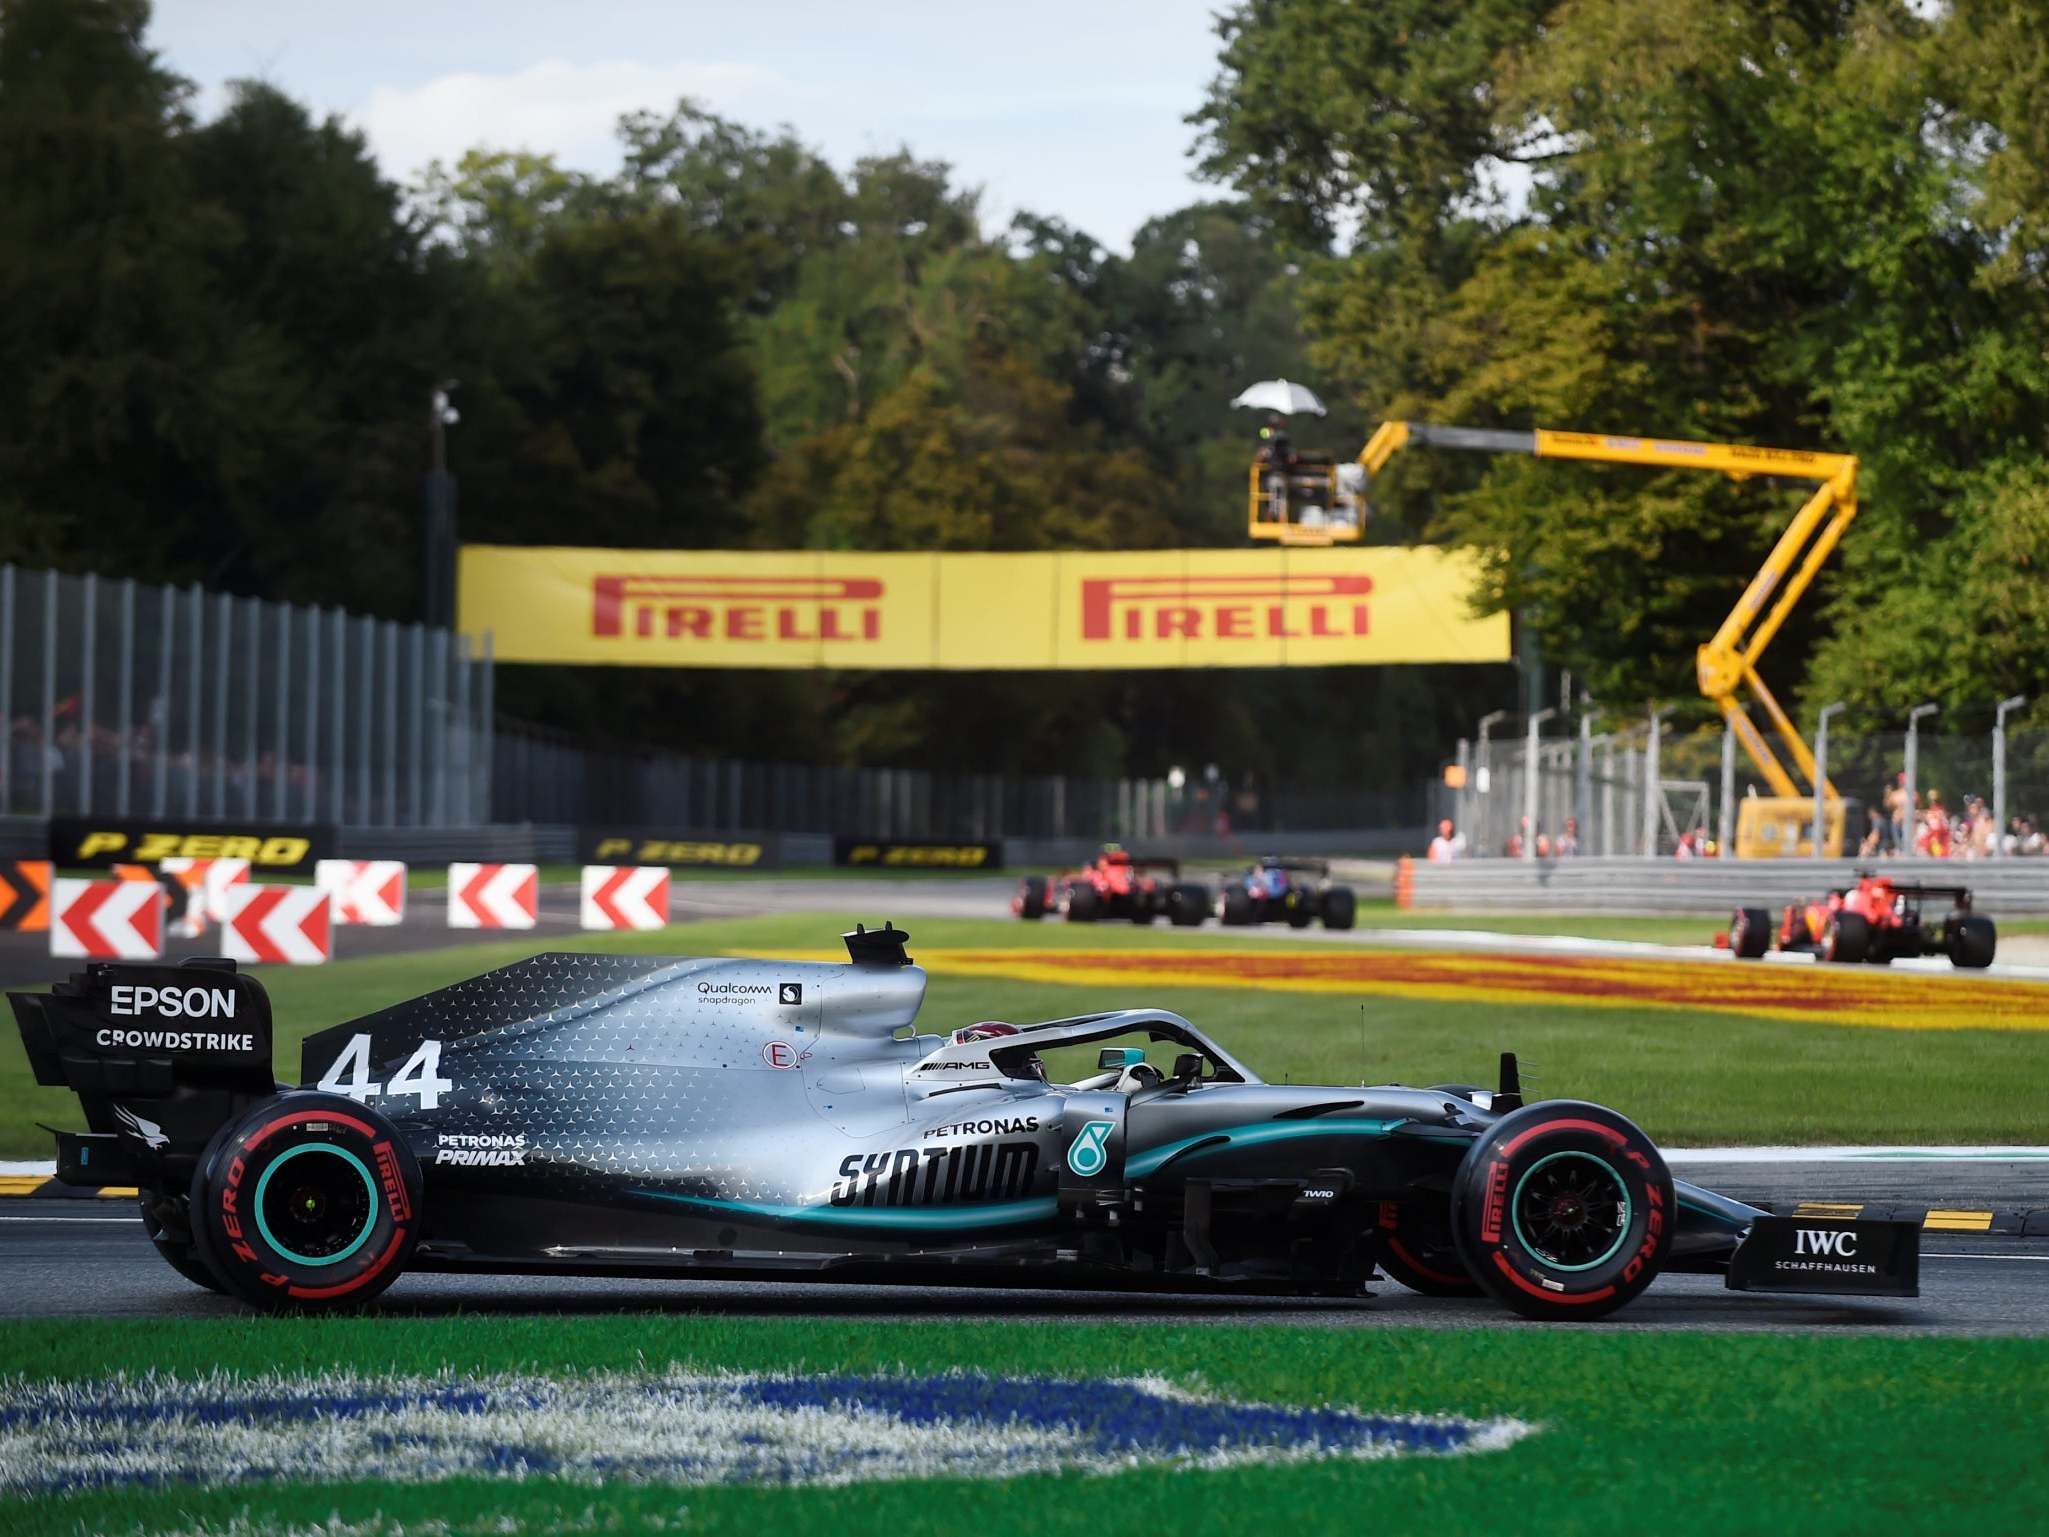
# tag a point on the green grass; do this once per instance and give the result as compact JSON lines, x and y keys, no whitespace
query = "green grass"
{"x":1689,"y":1078}
{"x":1660,"y":1432}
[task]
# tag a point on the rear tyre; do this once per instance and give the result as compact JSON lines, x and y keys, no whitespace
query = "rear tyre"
{"x":1413,"y":1245}
{"x":178,"y":1252}
{"x":1030,"y":901}
{"x":1847,"y":938}
{"x":1563,"y":1211}
{"x":1235,"y":910}
{"x":1083,"y":903}
{"x":309,"y":1201}
{"x":1340,"y":907}
{"x":1301,"y":912}
{"x":1972,"y":939}
{"x":1750,"y":933}
{"x":1188,"y":904}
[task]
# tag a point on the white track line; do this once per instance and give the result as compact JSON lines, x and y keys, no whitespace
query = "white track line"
{"x":1855,"y":1154}
{"x":58,"y":1216}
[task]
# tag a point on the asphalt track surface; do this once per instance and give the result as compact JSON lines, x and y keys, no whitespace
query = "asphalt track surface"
{"x":89,"y":1259}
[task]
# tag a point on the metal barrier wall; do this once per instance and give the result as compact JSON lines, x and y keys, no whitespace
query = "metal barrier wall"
{"x":129,"y":699}
{"x":1708,"y":887}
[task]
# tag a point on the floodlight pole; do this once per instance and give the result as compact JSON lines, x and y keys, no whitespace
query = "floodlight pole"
{"x":1999,"y":773}
{"x":1821,"y":772}
{"x":1487,"y":723}
{"x":1530,"y":783}
{"x":1907,"y":841}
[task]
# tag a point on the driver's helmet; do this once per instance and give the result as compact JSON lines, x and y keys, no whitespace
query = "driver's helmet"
{"x":984,"y":1030}
{"x":1115,"y":854}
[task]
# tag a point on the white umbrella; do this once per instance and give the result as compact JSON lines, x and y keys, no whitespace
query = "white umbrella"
{"x":1283,"y":396}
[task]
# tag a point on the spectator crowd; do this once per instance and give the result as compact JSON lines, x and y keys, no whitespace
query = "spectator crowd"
{"x":1927,"y":826}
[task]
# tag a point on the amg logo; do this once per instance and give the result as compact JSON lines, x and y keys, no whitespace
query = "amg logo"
{"x":1836,"y":1243}
{"x":737,"y":608}
{"x":175,"y":1040}
{"x":967,"y":1171}
{"x":172,"y":1002}
{"x":1224,"y":607}
{"x":957,"y":1065}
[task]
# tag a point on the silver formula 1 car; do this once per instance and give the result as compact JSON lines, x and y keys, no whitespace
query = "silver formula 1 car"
{"x":631,"y":1115}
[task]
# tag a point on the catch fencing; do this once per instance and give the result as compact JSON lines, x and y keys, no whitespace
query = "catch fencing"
{"x":124,"y":698}
{"x":1639,"y":791}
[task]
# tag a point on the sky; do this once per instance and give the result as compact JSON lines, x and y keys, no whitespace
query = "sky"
{"x":1064,"y":108}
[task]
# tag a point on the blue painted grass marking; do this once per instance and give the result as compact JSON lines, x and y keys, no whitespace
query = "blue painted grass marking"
{"x":163,"y":1431}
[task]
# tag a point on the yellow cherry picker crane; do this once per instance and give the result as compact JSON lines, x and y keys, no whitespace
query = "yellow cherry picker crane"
{"x":1727,"y":664}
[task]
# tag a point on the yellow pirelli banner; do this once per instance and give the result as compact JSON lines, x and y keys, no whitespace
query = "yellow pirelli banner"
{"x":1283,"y":607}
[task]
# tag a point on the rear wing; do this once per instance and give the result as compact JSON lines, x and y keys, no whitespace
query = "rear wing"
{"x":1308,"y":866}
{"x":159,"y":1057}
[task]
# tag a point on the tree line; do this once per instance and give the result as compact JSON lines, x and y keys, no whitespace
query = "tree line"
{"x":220,"y":339}
{"x":1801,"y":223}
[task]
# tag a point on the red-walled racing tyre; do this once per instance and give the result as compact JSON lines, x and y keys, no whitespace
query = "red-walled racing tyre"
{"x":1563,"y":1211}
{"x":1413,"y":1245}
{"x":1750,"y":933}
{"x":306,"y":1201}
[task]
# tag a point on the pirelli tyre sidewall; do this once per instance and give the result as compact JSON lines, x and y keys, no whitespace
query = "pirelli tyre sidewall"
{"x":1563,"y":1211}
{"x":307,"y":1201}
{"x":1413,"y":1245}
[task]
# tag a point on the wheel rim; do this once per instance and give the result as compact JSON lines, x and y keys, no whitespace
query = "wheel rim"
{"x":323,"y":1211}
{"x":1571,"y":1210}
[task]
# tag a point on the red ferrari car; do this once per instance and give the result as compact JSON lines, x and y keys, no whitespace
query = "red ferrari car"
{"x":1115,"y":884}
{"x":1878,"y":920}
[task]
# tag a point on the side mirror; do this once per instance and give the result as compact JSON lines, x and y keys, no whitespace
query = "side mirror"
{"x":1188,"y":1066}
{"x":1117,"y":1058}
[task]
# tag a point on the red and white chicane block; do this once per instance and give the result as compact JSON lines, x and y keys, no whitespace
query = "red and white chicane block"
{"x":118,"y":920}
{"x":625,"y":897}
{"x":184,"y":908}
{"x":494,"y":896}
{"x":371,"y":892}
{"x":202,"y":881}
{"x":279,"y":925}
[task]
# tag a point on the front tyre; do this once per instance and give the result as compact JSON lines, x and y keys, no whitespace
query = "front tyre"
{"x":1413,"y":1245}
{"x":1750,"y":933}
{"x":1563,"y":1211}
{"x":1030,"y":901}
{"x":308,"y":1201}
{"x":1083,"y":903}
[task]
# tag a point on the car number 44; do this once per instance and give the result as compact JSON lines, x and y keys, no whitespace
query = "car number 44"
{"x":419,"y":1078}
